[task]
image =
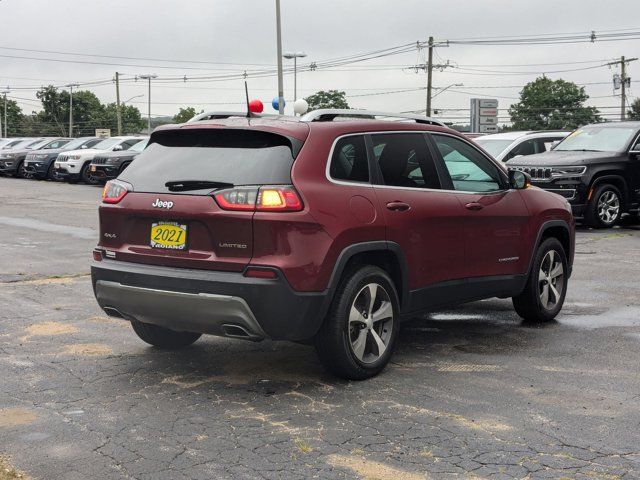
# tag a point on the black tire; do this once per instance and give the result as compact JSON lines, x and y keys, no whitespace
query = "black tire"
{"x":595,"y":216}
{"x":85,"y":175}
{"x":333,"y":342}
{"x":51,"y":174}
{"x":163,"y":337}
{"x":529,"y":304}
{"x":20,"y":172}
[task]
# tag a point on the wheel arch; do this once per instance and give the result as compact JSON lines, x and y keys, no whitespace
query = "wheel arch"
{"x":560,"y":230}
{"x":383,"y":254}
{"x":614,"y":179}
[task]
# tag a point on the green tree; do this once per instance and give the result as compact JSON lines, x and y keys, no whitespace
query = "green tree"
{"x":185,"y":114}
{"x":132,"y":121}
{"x":634,"y":112}
{"x":547,"y":104}
{"x":88,"y":112}
{"x":327,"y":99}
{"x":15,"y":118}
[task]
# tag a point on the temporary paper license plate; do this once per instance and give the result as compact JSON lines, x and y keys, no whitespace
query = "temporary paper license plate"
{"x":169,"y":235}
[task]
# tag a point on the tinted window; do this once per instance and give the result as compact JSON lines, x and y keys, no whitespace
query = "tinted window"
{"x":470,"y":171}
{"x":494,"y":147}
{"x":56,"y":144}
{"x":404,"y":160}
{"x":237,"y":157}
{"x":349,"y":160}
{"x":528,"y":147}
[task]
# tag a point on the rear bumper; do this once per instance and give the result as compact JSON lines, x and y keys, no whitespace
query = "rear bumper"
{"x":212,"y":302}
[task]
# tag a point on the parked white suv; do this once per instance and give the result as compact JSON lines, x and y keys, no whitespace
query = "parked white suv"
{"x":74,"y":165}
{"x":505,"y":146}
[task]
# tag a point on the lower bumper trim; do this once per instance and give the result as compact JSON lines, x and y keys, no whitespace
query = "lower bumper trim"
{"x":221,"y":315}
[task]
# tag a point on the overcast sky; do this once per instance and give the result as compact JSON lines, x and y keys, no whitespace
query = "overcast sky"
{"x":238,"y":35}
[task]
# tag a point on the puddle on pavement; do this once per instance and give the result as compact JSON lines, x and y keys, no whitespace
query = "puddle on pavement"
{"x":622,"y":317}
{"x":78,"y":232}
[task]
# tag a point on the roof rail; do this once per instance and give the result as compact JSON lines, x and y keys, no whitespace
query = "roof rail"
{"x":216,"y":116}
{"x":329,"y":114}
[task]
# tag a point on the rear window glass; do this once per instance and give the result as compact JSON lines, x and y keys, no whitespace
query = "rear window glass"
{"x":237,"y":157}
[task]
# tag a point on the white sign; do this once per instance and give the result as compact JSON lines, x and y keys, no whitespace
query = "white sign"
{"x":484,"y":115}
{"x":488,"y":120}
{"x":488,"y":103}
{"x":103,"y":132}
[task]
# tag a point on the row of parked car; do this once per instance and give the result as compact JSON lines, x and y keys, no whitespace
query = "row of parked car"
{"x":88,"y":159}
{"x":596,"y":168}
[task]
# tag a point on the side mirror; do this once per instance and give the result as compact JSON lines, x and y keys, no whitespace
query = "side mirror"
{"x":552,"y":145}
{"x":117,"y":148}
{"x":83,"y":147}
{"x":635,"y":153}
{"x":519,"y":180}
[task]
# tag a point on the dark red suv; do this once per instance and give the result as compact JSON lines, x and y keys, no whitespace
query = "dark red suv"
{"x":315,"y":229}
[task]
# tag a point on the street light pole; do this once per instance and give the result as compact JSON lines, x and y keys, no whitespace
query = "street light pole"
{"x":149,"y":77}
{"x":71,"y":85}
{"x":295,"y":56}
{"x":279,"y":40}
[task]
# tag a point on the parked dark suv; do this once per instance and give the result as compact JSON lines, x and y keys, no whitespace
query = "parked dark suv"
{"x":39,"y":164}
{"x":106,"y":166}
{"x":596,"y":168}
{"x":309,"y":229}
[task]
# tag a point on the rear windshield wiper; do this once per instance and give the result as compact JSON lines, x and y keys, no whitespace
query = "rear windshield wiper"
{"x":184,"y":185}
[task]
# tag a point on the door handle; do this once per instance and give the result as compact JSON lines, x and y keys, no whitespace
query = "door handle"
{"x":475,"y":206}
{"x":398,"y":206}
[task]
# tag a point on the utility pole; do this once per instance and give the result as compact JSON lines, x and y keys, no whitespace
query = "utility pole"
{"x":279,"y":40}
{"x":623,"y":84}
{"x":149,"y":77}
{"x":429,"y":76}
{"x":118,"y":110}
{"x":71,"y":85}
{"x":5,"y":113}
{"x":428,"y":67}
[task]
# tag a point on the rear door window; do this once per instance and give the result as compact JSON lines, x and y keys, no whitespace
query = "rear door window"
{"x":349,"y":160}
{"x":404,"y":160}
{"x":228,"y":156}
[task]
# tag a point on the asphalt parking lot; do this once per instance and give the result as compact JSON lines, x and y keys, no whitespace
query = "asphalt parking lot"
{"x":470,"y":393}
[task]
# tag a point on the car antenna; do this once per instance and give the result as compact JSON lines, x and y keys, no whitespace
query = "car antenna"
{"x":246,"y":92}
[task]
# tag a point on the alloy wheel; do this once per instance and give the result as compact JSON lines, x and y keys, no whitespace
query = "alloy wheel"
{"x":608,"y":207}
{"x":551,"y":280}
{"x":370,"y":323}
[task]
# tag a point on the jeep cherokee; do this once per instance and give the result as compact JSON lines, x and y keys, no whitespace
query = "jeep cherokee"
{"x":39,"y":164}
{"x":309,"y":229}
{"x":596,"y":168}
{"x":106,"y":166}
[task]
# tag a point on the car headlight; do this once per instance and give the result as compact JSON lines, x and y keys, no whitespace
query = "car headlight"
{"x":111,"y":161}
{"x":74,"y":157}
{"x":41,"y":156}
{"x":566,"y":172}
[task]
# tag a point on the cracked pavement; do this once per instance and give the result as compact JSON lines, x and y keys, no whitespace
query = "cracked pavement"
{"x":470,"y":393}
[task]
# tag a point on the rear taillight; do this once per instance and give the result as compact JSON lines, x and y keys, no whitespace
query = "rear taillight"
{"x":261,"y":199}
{"x":114,"y":191}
